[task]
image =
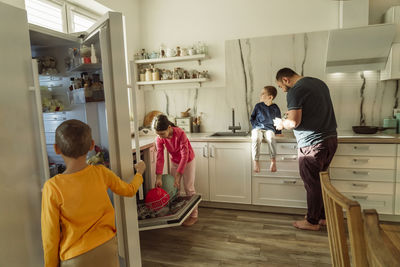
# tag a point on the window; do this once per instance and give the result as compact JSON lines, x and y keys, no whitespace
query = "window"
{"x":46,"y":14}
{"x":80,"y":22}
{"x":59,"y":15}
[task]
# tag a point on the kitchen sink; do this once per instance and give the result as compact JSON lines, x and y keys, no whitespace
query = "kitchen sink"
{"x":229,"y":134}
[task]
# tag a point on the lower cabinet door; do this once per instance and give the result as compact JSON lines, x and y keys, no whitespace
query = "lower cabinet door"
{"x":230,"y":172}
{"x":201,"y":182}
{"x":382,"y":203}
{"x":282,"y":192}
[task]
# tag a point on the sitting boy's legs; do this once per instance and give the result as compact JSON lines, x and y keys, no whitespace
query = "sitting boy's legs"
{"x":270,"y":137}
{"x":256,"y":138}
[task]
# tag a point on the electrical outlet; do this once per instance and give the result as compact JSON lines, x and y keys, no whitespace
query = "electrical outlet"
{"x":395,"y":111}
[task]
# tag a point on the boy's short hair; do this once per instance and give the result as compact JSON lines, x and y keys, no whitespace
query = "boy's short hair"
{"x":285,"y":72}
{"x":74,"y":138}
{"x":271,"y":90}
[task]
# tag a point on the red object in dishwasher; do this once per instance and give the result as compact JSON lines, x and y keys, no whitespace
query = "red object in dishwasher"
{"x":156,"y":199}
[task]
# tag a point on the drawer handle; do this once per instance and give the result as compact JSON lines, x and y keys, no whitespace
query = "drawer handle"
{"x":290,"y":146}
{"x":289,"y":158}
{"x":361,"y":147}
{"x":359,"y":185}
{"x":289,"y":182}
{"x":360,"y":160}
{"x":360,"y":197}
{"x":360,"y":172}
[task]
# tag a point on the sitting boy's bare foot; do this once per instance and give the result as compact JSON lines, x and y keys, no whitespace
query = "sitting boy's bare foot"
{"x":305,"y":225}
{"x":272,"y":167}
{"x":256,"y":166}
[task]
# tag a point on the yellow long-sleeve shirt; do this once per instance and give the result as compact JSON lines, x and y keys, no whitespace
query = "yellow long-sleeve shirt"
{"x":77,"y":214}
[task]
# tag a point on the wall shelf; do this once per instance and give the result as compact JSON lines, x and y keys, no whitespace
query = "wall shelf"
{"x":199,"y":80}
{"x":199,"y":58}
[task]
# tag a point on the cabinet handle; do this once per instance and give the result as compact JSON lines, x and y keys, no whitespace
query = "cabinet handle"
{"x":290,"y":158}
{"x":205,"y":151}
{"x":212,"y":152}
{"x":360,"y":172}
{"x":360,"y":197}
{"x":359,"y":185}
{"x":289,"y":182}
{"x":361,"y":148}
{"x":290,"y":146}
{"x":360,"y":160}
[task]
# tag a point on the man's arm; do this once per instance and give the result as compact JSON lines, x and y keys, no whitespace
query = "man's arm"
{"x":292,"y":121}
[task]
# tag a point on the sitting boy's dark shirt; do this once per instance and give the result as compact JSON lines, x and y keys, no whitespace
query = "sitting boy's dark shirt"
{"x":263,"y":115}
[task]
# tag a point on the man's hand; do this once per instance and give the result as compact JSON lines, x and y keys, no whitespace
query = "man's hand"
{"x":177,"y":182}
{"x":278,"y":123}
{"x":159,"y":180}
{"x":140,"y":167}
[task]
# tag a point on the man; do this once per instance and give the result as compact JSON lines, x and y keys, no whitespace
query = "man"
{"x":311,"y":116}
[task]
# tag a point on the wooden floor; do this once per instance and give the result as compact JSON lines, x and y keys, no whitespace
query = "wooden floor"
{"x":236,"y":238}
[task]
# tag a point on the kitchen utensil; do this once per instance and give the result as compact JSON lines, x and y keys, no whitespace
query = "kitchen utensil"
{"x":148,"y":119}
{"x":168,"y":185}
{"x":185,"y":113}
{"x":369,"y":129}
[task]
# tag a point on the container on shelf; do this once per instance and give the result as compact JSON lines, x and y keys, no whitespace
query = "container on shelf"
{"x":156,"y":75}
{"x":148,"y":75}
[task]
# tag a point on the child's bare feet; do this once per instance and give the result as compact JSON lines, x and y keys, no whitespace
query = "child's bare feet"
{"x":305,"y":225}
{"x":256,"y":166}
{"x":272,"y":167}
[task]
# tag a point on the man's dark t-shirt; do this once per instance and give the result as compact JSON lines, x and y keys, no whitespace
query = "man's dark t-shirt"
{"x":318,"y":121}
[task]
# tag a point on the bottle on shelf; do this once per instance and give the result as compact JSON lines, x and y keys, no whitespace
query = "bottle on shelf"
{"x":93,"y":57}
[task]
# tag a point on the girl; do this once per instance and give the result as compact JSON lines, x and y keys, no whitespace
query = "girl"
{"x":182,"y":158}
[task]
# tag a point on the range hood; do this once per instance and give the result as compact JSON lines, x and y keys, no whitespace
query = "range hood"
{"x":359,"y":49}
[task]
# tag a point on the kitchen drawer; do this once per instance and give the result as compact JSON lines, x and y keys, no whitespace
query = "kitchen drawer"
{"x":362,"y":174}
{"x":50,"y":138}
{"x":279,"y":192}
{"x":55,"y":116}
{"x":186,"y":128}
{"x":281,"y":148}
{"x":51,"y":126}
{"x":382,"y":203}
{"x":397,"y":200}
{"x":265,"y":173}
{"x":281,"y":165}
{"x":364,"y":187}
{"x":366,"y":149}
{"x":182,"y":122}
{"x":364,"y":162}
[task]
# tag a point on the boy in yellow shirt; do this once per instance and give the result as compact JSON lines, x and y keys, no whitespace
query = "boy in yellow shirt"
{"x":78,"y":223}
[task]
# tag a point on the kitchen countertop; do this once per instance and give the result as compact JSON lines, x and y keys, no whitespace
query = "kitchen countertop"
{"x":288,"y":137}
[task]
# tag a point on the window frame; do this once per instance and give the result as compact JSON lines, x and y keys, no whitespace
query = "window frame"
{"x":67,"y":10}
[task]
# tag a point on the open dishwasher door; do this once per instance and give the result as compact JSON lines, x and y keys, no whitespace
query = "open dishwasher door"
{"x":173,"y":214}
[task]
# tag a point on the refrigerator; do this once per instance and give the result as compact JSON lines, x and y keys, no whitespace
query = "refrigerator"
{"x":25,"y":147}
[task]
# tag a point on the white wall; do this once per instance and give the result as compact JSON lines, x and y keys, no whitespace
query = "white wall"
{"x":184,"y":22}
{"x":16,"y":3}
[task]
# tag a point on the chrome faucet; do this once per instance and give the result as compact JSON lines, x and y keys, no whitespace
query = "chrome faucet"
{"x":233,"y":127}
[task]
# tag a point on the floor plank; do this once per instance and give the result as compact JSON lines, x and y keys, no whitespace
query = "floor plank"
{"x":235,"y":238}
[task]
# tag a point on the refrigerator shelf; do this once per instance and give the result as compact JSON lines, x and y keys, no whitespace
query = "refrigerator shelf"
{"x":86,"y":67}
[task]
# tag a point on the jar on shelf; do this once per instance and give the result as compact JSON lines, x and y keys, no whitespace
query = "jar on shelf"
{"x":156,"y":75}
{"x":142,"y":75}
{"x":148,"y":75}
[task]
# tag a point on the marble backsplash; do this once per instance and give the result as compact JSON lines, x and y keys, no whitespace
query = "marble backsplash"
{"x":252,"y":63}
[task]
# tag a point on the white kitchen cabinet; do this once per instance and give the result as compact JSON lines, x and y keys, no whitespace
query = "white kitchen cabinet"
{"x":280,"y":192}
{"x":201,"y":183}
{"x":366,"y":173}
{"x":397,"y":195}
{"x":283,"y":188}
{"x":230,"y":172}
